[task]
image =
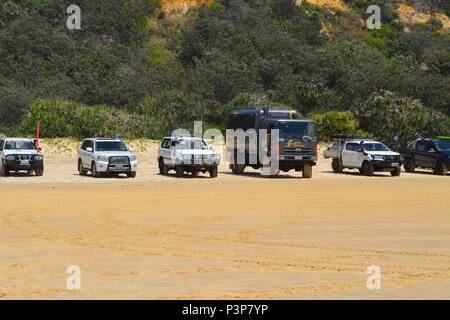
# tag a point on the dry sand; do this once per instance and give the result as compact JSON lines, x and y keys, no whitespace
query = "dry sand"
{"x":237,"y":237}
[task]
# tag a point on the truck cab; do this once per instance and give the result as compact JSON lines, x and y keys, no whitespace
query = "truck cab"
{"x":296,"y":146}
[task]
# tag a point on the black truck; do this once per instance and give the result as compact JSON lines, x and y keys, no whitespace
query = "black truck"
{"x":297,"y":145}
{"x":430,"y":153}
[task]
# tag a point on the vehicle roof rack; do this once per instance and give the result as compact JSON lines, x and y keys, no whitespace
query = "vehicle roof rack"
{"x":442,"y":137}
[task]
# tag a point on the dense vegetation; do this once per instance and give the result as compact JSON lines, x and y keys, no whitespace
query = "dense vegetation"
{"x":132,"y":64}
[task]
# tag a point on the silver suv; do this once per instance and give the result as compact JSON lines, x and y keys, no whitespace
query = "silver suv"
{"x":187,"y":154}
{"x":104,"y":156}
{"x":18,"y":154}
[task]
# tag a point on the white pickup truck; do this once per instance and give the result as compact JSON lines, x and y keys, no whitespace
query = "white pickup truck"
{"x":367,"y":156}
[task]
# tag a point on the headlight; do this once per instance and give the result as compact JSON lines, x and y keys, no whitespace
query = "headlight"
{"x":10,"y":158}
{"x":133,"y":158}
{"x":378,"y":158}
{"x":104,"y":159}
{"x":39,"y":157}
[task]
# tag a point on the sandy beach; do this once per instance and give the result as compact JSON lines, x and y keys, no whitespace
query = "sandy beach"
{"x":235,"y":237}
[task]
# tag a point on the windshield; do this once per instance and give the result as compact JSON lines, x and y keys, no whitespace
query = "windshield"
{"x":443,"y":145}
{"x":110,"y":146}
{"x":191,"y":144}
{"x":296,"y":129}
{"x":375,"y":147}
{"x":19,"y":145}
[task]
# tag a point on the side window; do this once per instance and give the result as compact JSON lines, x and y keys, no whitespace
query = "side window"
{"x":87,"y":144}
{"x":1,"y":144}
{"x":349,"y":146}
{"x":165,"y":143}
{"x":420,"y":146}
{"x":357,"y":147}
{"x":430,"y":146}
{"x":412,"y":146}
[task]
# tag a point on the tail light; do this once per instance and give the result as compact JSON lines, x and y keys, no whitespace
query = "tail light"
{"x":278,"y":148}
{"x":315,"y":148}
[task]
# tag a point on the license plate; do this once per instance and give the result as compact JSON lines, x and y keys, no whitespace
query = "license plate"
{"x":395,"y":164}
{"x":24,"y":162}
{"x":298,"y":157}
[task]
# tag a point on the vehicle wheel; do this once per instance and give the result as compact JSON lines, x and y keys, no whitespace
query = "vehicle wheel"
{"x":396,"y":172}
{"x":131,"y":174}
{"x":95,"y":174}
{"x":410,"y":166}
{"x":81,"y":170}
{"x":163,"y":169}
{"x":4,"y":171}
{"x":441,"y":168}
{"x":213,"y":172}
{"x":195,"y":173}
{"x":39,"y":171}
{"x":336,"y":165}
{"x":238,"y":168}
{"x":307,"y":170}
{"x":179,"y":171}
{"x":367,"y":169}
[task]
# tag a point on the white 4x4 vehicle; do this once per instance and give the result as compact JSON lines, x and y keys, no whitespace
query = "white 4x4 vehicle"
{"x":106,"y":157}
{"x":17,"y":154}
{"x":187,"y":154}
{"x":368,"y":156}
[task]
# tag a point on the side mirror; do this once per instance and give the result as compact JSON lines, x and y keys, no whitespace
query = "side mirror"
{"x":360,"y":150}
{"x":39,"y":149}
{"x":89,"y":149}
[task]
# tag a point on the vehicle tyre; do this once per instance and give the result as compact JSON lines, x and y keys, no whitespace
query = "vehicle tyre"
{"x":368,"y":169}
{"x":410,"y":165}
{"x":441,"y":168}
{"x":336,"y":165}
{"x":179,"y":171}
{"x":238,"y":168}
{"x":213,"y":172}
{"x":307,"y":171}
{"x":195,"y":173}
{"x":81,"y":170}
{"x":94,"y":171}
{"x":396,"y":172}
{"x":131,"y":174}
{"x":163,"y":169}
{"x":4,"y":171}
{"x":39,"y":171}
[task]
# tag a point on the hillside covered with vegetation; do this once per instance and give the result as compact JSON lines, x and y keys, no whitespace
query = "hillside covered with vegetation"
{"x":136,"y":69}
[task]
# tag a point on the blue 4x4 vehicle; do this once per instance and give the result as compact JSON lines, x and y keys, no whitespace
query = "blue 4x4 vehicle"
{"x":432,"y":153}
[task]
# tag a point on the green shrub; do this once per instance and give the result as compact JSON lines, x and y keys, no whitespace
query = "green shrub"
{"x":63,"y":118}
{"x":335,"y":122}
{"x":172,"y":110}
{"x":387,"y":116}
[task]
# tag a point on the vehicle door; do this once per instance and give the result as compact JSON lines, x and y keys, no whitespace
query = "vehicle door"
{"x":432,"y":154}
{"x":89,"y":153}
{"x":81,"y":153}
{"x":358,"y":155}
{"x":165,"y":151}
{"x":349,"y":155}
{"x":421,"y":155}
{"x":2,"y":156}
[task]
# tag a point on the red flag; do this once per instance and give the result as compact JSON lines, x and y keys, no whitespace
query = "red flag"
{"x":38,"y":131}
